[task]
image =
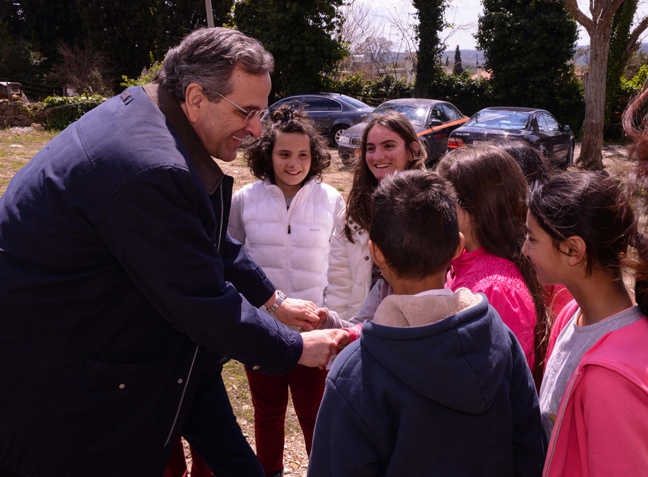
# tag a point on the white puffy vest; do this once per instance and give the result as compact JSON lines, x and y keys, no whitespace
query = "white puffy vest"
{"x":291,"y":246}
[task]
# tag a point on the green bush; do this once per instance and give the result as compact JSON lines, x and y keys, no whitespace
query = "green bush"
{"x":61,"y":111}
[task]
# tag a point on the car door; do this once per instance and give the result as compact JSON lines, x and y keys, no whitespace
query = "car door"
{"x":561,"y":139}
{"x":322,"y":111}
{"x":550,"y":136}
{"x":438,"y":139}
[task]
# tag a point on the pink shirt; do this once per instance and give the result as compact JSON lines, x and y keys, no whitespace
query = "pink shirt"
{"x":502,"y":283}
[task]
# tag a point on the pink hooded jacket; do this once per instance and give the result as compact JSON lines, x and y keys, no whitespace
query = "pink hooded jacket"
{"x":502,"y":283}
{"x":602,"y":424}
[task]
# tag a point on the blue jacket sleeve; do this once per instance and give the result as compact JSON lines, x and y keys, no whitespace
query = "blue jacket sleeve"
{"x":248,"y":278}
{"x":157,"y":225}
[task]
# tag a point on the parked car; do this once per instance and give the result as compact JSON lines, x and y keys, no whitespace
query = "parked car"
{"x":433,"y":121}
{"x":332,"y":113}
{"x":536,"y":126}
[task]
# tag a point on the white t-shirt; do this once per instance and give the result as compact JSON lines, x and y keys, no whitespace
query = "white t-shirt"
{"x":572,"y":343}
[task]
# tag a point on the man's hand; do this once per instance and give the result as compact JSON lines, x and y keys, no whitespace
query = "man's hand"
{"x":323,"y":315}
{"x":319,"y":346}
{"x":295,"y":312}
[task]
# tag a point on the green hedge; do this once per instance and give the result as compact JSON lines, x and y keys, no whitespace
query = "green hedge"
{"x":61,"y":111}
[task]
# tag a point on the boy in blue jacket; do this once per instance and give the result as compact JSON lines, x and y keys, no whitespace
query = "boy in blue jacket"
{"x":437,"y":384}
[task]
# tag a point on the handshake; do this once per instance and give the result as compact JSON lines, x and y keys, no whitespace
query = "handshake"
{"x":319,"y":345}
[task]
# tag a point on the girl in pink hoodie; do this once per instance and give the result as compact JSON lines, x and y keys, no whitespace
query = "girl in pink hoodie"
{"x":594,"y":394}
{"x":491,"y":191}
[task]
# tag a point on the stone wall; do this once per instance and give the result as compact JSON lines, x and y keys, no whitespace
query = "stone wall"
{"x":19,"y":114}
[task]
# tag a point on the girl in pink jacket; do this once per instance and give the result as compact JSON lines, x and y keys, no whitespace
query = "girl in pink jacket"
{"x":594,"y":394}
{"x":491,"y":191}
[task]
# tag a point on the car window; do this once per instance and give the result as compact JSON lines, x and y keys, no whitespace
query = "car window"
{"x":551,"y":123}
{"x":439,"y":113}
{"x":313,"y":103}
{"x":295,"y":103}
{"x":451,"y":113}
{"x":416,"y":114}
{"x":542,"y":123}
{"x":355,"y":102}
{"x":493,"y":119}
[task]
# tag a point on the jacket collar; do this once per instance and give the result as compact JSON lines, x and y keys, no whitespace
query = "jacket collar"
{"x":208,"y":171}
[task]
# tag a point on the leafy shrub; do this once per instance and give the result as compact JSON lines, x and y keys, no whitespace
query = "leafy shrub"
{"x":61,"y":111}
{"x":145,"y":77}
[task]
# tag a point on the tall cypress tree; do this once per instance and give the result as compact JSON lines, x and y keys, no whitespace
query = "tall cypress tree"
{"x":458,"y":69}
{"x":430,"y":47}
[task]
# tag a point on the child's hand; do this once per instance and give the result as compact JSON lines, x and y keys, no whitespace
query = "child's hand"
{"x":323,"y":315}
{"x":301,"y":313}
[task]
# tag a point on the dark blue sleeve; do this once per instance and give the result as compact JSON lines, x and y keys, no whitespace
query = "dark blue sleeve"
{"x":529,"y":442}
{"x":156,"y":225}
{"x":248,"y":278}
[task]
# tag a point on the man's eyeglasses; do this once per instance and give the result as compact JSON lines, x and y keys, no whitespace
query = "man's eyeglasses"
{"x":250,"y":114}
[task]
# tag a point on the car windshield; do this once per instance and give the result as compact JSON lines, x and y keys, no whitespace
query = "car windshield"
{"x":415,"y":113}
{"x":500,"y":120}
{"x":355,"y":102}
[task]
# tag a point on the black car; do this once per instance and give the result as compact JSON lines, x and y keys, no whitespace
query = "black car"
{"x":332,"y":113}
{"x":536,"y":126}
{"x":433,"y":121}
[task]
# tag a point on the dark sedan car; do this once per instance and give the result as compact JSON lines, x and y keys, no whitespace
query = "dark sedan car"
{"x":535,"y":126}
{"x":433,"y":121}
{"x":332,"y":113}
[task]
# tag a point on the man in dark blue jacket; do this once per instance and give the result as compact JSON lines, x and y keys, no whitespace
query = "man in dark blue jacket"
{"x":119,"y":285}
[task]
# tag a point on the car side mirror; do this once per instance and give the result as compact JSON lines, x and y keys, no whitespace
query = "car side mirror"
{"x":435,"y":122}
{"x":566,"y":128}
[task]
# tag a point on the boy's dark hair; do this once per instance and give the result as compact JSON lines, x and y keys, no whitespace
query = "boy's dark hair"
{"x":414,"y":223}
{"x":286,"y":120}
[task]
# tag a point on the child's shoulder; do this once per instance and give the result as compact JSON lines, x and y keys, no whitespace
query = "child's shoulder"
{"x":328,"y":189}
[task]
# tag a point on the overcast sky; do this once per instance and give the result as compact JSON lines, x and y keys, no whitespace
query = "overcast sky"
{"x":462,"y":14}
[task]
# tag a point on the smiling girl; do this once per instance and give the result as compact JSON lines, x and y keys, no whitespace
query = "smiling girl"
{"x":285,"y":221}
{"x":389,"y":144}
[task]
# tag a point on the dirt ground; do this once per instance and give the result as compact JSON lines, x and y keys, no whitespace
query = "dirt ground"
{"x":18,"y":146}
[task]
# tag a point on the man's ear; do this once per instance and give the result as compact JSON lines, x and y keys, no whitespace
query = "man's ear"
{"x":377,"y":255}
{"x":461,"y":246}
{"x":574,"y":248}
{"x":195,"y":104}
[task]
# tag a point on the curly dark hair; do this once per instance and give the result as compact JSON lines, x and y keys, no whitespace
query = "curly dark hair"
{"x":286,"y":120}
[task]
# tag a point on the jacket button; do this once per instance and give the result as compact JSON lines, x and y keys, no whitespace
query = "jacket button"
{"x":122,"y":386}
{"x":256,"y":368}
{"x":360,"y":233}
{"x":366,"y":257}
{"x":180,"y":381}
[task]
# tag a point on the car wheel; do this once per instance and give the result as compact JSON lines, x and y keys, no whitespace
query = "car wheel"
{"x":337,"y":132}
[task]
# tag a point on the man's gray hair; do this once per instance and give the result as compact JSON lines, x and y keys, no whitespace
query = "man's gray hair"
{"x":208,"y":57}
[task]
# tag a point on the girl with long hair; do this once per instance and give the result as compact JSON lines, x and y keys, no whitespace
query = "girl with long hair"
{"x":491,"y":191}
{"x":389,"y":144}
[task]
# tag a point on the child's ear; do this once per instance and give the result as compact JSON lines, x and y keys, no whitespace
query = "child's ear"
{"x":461,"y":246}
{"x":377,"y":255}
{"x":416,"y":148}
{"x":574,"y":248}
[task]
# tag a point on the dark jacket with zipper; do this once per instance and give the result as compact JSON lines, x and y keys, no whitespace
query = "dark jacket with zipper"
{"x":116,"y":276}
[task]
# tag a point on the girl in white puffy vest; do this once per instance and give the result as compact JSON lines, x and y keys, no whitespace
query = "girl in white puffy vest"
{"x":285,"y":221}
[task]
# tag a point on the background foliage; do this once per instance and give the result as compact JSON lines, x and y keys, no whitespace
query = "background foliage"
{"x":529,"y":45}
{"x":302,"y":37}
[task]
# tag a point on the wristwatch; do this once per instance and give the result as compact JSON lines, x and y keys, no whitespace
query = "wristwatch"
{"x":280,"y":298}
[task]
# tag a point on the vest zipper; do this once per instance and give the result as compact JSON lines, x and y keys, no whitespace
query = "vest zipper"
{"x":288,"y":229}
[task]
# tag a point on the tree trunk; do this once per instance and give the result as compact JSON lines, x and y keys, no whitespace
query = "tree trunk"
{"x":591,"y":155}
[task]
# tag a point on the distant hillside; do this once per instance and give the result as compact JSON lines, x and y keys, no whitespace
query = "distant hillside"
{"x":469,"y":58}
